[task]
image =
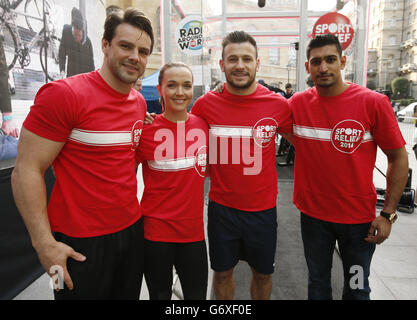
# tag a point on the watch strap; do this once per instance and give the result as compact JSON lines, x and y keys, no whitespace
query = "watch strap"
{"x":391,"y":217}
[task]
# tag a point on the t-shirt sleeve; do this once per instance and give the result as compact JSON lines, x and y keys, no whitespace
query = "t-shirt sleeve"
{"x":386,"y":132}
{"x":142,"y":103}
{"x":54,"y":112}
{"x":140,"y":150}
{"x":139,"y":157}
{"x":197,"y":108}
{"x":285,"y":123}
{"x":145,"y":144}
{"x":203,"y":125}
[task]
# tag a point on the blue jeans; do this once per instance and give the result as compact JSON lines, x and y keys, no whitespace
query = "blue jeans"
{"x":319,"y":238}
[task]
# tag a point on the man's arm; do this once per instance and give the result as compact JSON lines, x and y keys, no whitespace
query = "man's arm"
{"x":91,"y":66}
{"x":35,"y":155}
{"x":62,"y":51}
{"x":397,"y":173}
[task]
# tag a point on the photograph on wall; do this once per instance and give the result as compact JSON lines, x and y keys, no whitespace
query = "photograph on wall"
{"x":43,"y":41}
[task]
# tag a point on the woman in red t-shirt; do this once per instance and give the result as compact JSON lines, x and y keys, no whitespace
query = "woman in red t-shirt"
{"x":173,"y":153}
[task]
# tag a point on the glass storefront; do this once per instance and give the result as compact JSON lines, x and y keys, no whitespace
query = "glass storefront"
{"x":276,"y":27}
{"x":34,"y":32}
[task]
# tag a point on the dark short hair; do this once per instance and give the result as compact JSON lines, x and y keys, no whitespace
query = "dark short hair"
{"x":239,"y":37}
{"x":324,"y":40}
{"x":288,"y":85}
{"x":131,"y":16}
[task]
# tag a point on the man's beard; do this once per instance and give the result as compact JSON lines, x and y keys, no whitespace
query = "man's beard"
{"x":325,"y":84}
{"x":245,"y":85}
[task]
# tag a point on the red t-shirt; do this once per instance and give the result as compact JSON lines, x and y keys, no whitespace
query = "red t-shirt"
{"x":173,"y":157}
{"x":336,"y":141}
{"x":242,"y":146}
{"x":95,"y":191}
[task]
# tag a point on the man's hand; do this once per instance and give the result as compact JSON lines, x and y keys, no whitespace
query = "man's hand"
{"x":383,"y":230}
{"x":56,"y":254}
{"x":219,"y":88}
{"x":9,"y":127}
{"x":149,"y":118}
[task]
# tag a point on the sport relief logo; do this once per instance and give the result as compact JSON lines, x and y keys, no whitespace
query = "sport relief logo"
{"x":347,"y":135}
{"x":336,"y":24}
{"x":200,"y":164}
{"x":136,"y":133}
{"x":263,"y":132}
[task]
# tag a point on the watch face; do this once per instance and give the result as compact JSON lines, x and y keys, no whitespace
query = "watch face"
{"x":393,"y":218}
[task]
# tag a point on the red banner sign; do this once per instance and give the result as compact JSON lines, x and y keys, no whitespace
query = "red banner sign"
{"x":336,"y":24}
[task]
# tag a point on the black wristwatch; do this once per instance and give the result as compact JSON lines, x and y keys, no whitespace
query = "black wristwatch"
{"x":391,"y":217}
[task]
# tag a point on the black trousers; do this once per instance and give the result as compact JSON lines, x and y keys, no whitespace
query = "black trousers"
{"x":113,"y":269}
{"x":190,"y":261}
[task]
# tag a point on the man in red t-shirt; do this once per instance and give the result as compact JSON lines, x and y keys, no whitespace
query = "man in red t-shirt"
{"x":88,"y":127}
{"x":243,"y":121}
{"x":337,"y":129}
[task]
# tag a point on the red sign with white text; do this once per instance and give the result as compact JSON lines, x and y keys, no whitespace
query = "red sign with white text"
{"x":336,"y":24}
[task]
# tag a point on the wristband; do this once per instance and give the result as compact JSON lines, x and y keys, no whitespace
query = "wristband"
{"x":6,"y":118}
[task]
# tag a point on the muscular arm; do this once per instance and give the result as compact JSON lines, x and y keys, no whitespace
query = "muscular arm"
{"x":35,"y":155}
{"x":396,"y":176}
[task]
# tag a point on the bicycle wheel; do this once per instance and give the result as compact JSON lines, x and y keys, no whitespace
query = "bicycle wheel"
{"x":34,"y":8}
{"x":9,"y":44}
{"x":52,"y":68}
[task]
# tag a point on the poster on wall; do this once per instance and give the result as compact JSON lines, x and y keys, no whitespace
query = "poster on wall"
{"x":40,"y":41}
{"x":43,"y":41}
{"x":189,"y":35}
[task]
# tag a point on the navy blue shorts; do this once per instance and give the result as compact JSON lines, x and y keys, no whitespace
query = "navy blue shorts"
{"x":241,"y":235}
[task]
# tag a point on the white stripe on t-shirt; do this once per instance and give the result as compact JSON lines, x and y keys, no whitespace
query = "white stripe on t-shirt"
{"x":321,"y":134}
{"x":226,"y":131}
{"x":312,"y":133}
{"x":101,"y":138}
{"x":173,"y":164}
{"x":367,"y":137}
